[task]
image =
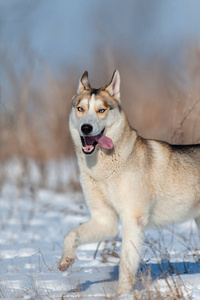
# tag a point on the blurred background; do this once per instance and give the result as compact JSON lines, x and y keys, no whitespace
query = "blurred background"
{"x":46,"y":45}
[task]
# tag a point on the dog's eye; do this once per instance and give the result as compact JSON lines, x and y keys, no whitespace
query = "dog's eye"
{"x":80,"y":109}
{"x":102,"y":111}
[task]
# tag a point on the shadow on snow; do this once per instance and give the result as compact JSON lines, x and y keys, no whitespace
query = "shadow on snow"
{"x":159,"y":270}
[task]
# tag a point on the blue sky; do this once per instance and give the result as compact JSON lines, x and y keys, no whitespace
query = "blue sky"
{"x":68,"y":31}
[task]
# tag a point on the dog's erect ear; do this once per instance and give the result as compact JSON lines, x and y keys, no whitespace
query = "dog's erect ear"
{"x":114,"y":86}
{"x":83,"y":83}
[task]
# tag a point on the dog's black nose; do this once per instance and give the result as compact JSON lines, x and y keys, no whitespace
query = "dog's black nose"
{"x":86,"y":129}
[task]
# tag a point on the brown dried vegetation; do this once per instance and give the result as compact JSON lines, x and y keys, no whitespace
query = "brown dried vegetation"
{"x":34,"y":111}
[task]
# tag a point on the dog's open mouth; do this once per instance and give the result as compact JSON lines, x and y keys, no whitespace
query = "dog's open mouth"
{"x":89,"y":143}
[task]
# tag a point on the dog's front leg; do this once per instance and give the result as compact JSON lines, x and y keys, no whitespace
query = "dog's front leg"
{"x":132,"y":238}
{"x":102,"y":225}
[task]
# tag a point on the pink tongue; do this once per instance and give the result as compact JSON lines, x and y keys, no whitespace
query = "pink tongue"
{"x":103,"y":141}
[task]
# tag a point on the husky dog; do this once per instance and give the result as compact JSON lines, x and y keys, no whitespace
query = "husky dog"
{"x":140,"y":181}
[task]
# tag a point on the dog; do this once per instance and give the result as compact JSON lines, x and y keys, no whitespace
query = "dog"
{"x":141,"y":182}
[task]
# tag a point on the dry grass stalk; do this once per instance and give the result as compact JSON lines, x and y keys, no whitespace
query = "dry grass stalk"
{"x":34,"y":117}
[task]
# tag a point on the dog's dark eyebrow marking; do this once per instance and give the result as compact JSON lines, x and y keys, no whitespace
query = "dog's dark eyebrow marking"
{"x":75,"y":101}
{"x":106,"y":104}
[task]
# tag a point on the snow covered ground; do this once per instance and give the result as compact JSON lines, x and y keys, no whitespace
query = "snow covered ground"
{"x":35,"y":215}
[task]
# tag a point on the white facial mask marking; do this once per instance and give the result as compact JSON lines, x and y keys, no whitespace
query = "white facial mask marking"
{"x":91,"y":118}
{"x":84,"y":102}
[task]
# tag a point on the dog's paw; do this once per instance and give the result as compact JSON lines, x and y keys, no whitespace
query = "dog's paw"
{"x":65,"y":264}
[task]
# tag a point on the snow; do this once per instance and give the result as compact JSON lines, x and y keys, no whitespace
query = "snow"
{"x":34,"y":219}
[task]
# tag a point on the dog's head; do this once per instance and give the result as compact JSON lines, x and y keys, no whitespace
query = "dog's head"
{"x":94,"y":111}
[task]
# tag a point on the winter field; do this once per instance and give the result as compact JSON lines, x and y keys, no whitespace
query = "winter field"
{"x":38,"y":205}
{"x":45,"y":46}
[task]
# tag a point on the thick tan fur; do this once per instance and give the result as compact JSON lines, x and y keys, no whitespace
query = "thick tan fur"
{"x":141,"y":182}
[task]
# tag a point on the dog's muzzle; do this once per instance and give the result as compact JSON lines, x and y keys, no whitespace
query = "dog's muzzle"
{"x":89,"y":143}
